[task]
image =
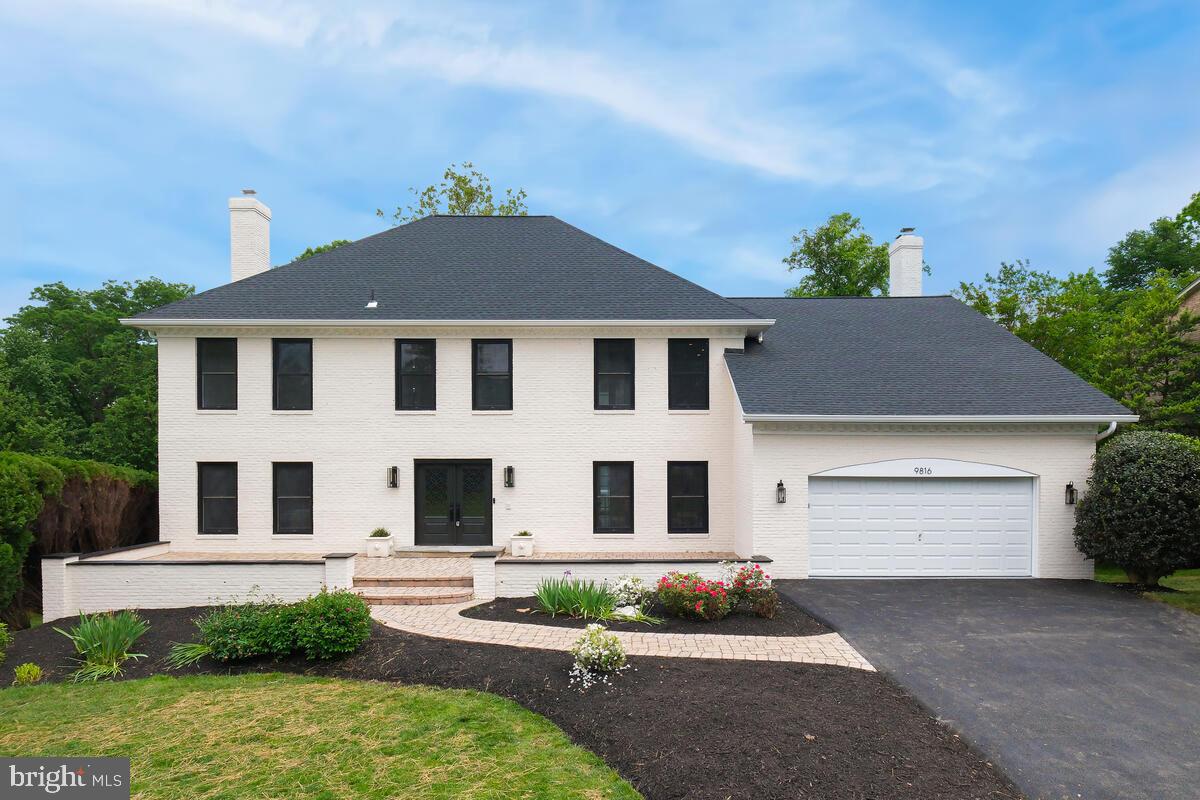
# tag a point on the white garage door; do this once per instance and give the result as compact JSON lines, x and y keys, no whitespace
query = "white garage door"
{"x":920,"y":527}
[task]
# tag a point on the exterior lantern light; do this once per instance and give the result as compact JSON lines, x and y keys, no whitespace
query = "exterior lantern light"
{"x":393,"y":477}
{"x":510,"y":477}
{"x":1072,"y":494}
{"x":780,"y":492}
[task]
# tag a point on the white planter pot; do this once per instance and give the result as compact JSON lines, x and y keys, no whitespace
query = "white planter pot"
{"x":521,"y":546}
{"x":379,"y":546}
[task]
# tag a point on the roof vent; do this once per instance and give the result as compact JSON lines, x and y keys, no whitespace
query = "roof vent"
{"x":371,"y":301}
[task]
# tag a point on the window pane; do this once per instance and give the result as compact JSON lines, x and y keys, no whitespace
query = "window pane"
{"x":294,"y":515}
{"x":417,"y":357}
{"x":493,"y":392}
{"x":688,"y":379}
{"x":293,"y":480}
{"x":218,"y":480}
{"x":491,"y":357}
{"x":293,"y":392}
{"x":687,"y":514}
{"x":293,"y":357}
{"x":416,"y":393}
{"x":614,"y":513}
{"x":614,"y":391}
{"x":614,"y":355}
{"x":687,"y":497}
{"x":613,"y":501}
{"x":218,"y":516}
{"x":614,"y":479}
{"x":217,"y":355}
{"x":687,"y":479}
{"x":218,"y":391}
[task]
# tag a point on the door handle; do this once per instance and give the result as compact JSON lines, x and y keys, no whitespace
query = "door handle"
{"x":457,"y":515}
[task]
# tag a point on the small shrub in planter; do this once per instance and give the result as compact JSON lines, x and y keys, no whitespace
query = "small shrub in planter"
{"x":598,"y":655}
{"x":103,"y":642}
{"x":26,"y":674}
{"x":1141,"y":510}
{"x":331,"y":624}
{"x":686,"y":594}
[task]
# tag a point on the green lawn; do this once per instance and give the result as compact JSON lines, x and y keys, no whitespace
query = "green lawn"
{"x":281,"y":736}
{"x":1186,"y":581}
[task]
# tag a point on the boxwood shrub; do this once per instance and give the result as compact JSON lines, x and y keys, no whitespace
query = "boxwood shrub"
{"x":1141,"y":510}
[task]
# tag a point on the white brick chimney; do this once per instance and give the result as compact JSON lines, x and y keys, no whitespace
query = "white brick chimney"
{"x":249,"y":236}
{"x":906,"y":262}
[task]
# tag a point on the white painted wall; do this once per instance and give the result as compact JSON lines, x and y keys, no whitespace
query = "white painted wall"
{"x":551,"y":437}
{"x":1055,"y":454}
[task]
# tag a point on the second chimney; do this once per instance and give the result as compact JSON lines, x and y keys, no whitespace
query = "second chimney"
{"x":906,"y":262}
{"x":249,"y":236}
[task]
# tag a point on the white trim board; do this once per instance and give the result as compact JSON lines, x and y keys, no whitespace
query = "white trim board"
{"x":919,"y":468}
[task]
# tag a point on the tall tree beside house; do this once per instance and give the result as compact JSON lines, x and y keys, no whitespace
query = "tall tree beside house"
{"x":463,"y":191}
{"x":309,"y":252}
{"x":1170,"y":244}
{"x":838,"y":259}
{"x":75,"y":382}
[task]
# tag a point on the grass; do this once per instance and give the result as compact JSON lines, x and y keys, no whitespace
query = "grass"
{"x":1186,"y":582}
{"x":282,"y":736}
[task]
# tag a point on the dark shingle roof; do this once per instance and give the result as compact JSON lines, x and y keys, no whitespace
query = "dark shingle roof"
{"x":900,"y":356}
{"x":468,"y":268}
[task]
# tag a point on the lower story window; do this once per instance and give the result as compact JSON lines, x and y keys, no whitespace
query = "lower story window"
{"x":687,"y":497}
{"x":218,"y":497}
{"x":612,"y":496}
{"x":293,"y":492}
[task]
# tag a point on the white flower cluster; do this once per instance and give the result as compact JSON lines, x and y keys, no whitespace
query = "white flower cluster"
{"x":598,"y":654}
{"x":631,"y":590}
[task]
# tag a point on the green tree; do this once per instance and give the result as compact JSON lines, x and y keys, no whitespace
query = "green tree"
{"x":76,"y":382}
{"x":309,"y":252}
{"x":463,"y":191}
{"x":1170,"y":244}
{"x":839,"y":259}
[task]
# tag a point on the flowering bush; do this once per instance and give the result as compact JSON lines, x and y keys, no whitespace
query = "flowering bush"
{"x":748,"y":583}
{"x":686,"y":594}
{"x":598,"y":655}
{"x":631,"y":590}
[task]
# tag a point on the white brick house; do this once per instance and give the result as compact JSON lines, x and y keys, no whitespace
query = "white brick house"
{"x":405,"y":380}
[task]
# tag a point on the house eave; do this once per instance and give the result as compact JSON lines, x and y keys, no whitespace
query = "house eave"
{"x":943,"y":418}
{"x":755,"y":325}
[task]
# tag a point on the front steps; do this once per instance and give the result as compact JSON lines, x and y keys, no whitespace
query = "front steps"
{"x":414,"y":580}
{"x":414,"y":595}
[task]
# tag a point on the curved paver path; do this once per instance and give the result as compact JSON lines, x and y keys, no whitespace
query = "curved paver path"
{"x":444,"y":622}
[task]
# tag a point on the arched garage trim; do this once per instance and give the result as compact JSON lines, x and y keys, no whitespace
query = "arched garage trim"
{"x":923,"y":468}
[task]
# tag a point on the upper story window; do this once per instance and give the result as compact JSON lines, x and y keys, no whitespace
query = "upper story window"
{"x":292,"y":383}
{"x":293,"y":496}
{"x":687,"y":497}
{"x":687,"y":380}
{"x":614,"y":373}
{"x":216,"y":373}
{"x":416,"y":374}
{"x":218,"y":493}
{"x":491,"y":375}
{"x":612,"y":496}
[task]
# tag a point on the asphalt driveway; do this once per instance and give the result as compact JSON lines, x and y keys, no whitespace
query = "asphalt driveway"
{"x":1075,"y":689}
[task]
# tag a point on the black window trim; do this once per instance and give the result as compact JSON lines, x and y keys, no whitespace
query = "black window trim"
{"x":200,"y":497}
{"x":475,"y":374}
{"x":707,"y":375}
{"x":275,"y":499}
{"x":433,"y":372}
{"x":201,"y":372}
{"x":684,"y":532}
{"x":275,"y":342}
{"x":596,"y":496}
{"x":596,"y":404}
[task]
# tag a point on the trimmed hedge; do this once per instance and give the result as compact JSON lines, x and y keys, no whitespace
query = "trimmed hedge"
{"x":56,"y":504}
{"x":1141,"y":510}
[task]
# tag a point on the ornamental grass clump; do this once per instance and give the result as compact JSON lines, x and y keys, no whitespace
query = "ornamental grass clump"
{"x":749,"y":584}
{"x":598,"y":656}
{"x":574,"y":597}
{"x":103,"y":642}
{"x":686,"y":594}
{"x":26,"y":674}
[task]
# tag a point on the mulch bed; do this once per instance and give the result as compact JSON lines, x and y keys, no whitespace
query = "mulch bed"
{"x":791,"y":620}
{"x":673,"y":727}
{"x":1142,"y":588}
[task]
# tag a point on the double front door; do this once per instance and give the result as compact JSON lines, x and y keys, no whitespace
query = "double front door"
{"x":454,"y":503}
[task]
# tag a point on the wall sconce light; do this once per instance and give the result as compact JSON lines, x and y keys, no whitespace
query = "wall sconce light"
{"x":510,"y":477}
{"x":1072,"y":494}
{"x":393,"y":477}
{"x":780,"y":492}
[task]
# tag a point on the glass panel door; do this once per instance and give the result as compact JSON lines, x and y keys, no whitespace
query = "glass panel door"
{"x":454,"y":503}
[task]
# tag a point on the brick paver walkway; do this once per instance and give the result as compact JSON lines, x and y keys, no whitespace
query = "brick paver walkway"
{"x":444,"y":622}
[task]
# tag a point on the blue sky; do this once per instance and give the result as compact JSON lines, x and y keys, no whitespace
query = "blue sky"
{"x":699,"y":136}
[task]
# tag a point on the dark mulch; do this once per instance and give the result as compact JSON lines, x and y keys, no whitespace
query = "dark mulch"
{"x":673,"y":727}
{"x":1142,"y":588}
{"x":791,"y":620}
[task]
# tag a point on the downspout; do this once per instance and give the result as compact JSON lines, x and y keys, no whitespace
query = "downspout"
{"x":1112,"y":428}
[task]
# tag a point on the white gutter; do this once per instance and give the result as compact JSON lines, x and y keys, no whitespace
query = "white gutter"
{"x":939,"y":418}
{"x":1112,"y":428}
{"x":753,"y":324}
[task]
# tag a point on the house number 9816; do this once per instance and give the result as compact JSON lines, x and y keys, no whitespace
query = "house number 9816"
{"x":922,"y":470}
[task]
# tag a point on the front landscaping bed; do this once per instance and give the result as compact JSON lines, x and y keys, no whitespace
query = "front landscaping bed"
{"x":791,"y":620}
{"x":287,"y":736}
{"x":673,"y":727}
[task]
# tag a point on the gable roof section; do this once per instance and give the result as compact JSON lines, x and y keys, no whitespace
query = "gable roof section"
{"x":462,"y":268}
{"x":901,"y":357}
